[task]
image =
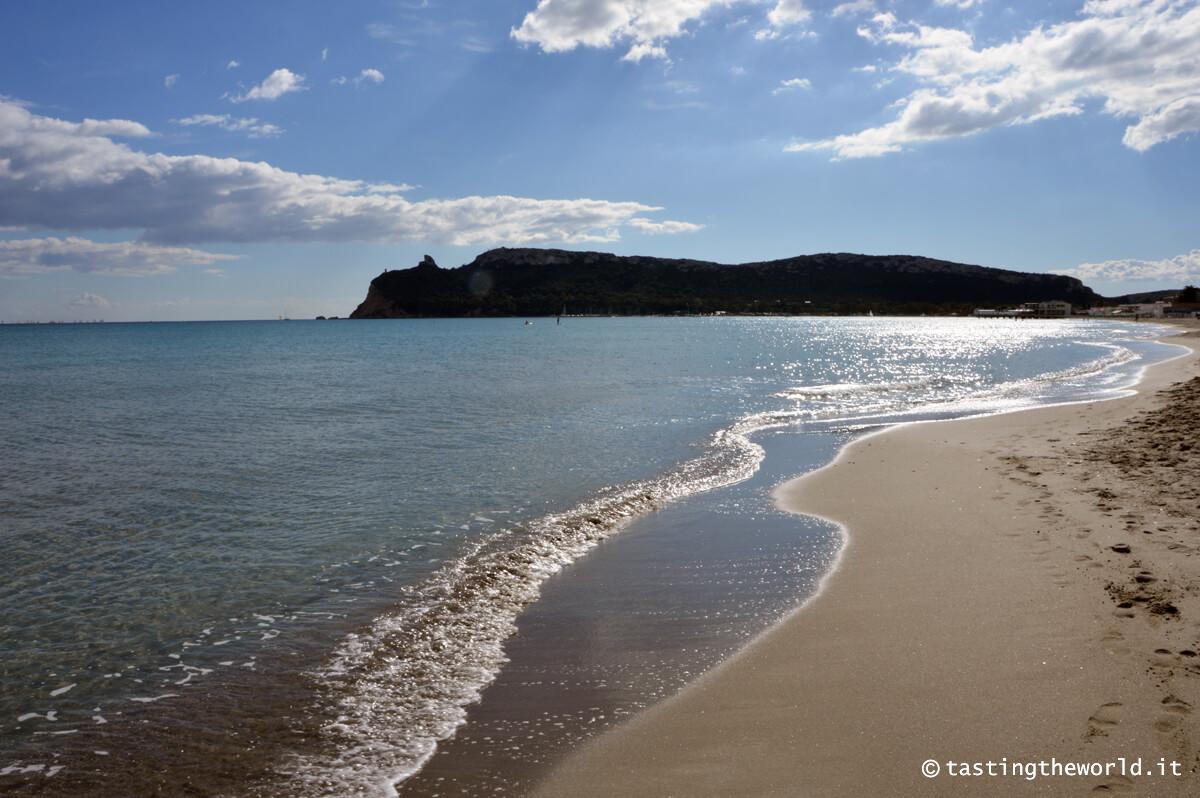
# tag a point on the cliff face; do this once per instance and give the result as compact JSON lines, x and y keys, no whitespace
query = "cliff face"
{"x":532,"y":282}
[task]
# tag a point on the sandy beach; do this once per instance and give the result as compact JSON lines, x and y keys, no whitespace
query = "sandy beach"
{"x":1018,"y":588}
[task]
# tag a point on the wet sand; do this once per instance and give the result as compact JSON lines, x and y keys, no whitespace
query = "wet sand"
{"x":1014,"y":588}
{"x":674,"y":594}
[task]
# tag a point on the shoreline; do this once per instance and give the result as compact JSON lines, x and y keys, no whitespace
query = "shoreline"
{"x":886,"y":665}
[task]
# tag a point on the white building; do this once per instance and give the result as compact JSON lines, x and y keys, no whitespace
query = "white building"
{"x":1053,"y":308}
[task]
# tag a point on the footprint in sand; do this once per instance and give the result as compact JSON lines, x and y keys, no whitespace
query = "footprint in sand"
{"x":1163,"y":658}
{"x":1169,"y":724}
{"x":1117,"y":784}
{"x":1174,"y":710}
{"x":1114,"y":642}
{"x":1104,"y":719}
{"x":1124,"y":610}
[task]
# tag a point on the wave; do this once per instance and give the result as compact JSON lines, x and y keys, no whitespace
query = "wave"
{"x":847,"y":389}
{"x":398,"y":687}
{"x":401,"y":685}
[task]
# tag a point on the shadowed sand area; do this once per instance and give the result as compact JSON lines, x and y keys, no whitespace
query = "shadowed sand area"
{"x":1022,"y":586}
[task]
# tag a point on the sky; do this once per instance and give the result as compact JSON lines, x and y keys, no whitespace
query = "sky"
{"x":233,"y":160}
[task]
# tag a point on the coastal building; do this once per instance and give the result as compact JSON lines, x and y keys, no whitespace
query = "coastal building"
{"x":1182,"y":310}
{"x":1051,"y":309}
{"x":1140,"y":310}
{"x":1029,"y":310}
{"x":1151,"y":310}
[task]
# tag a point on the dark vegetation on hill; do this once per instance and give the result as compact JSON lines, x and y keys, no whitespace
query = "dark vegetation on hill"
{"x":540,"y":282}
{"x":1145,"y":296}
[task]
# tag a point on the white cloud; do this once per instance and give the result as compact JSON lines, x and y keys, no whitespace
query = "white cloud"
{"x":963,"y":4}
{"x":369,"y":76}
{"x":324,"y":53}
{"x":280,"y":82}
{"x":1140,"y":57}
{"x":786,"y":14}
{"x":854,"y":8}
{"x":642,"y":50}
{"x":1174,"y":119}
{"x":233,"y":64}
{"x":117,"y":128}
{"x":248,"y":125}
{"x":389,"y":188}
{"x":792,"y":84}
{"x":86,"y":300}
{"x":57,"y":175}
{"x":558,"y":26}
{"x":170,"y":80}
{"x":1179,"y":269}
{"x":663,"y":228}
{"x":120,"y":259}
{"x":365,"y":76}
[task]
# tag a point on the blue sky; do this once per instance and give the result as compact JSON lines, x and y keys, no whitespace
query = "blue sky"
{"x":244,"y":160}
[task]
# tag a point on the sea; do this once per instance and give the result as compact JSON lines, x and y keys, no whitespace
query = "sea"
{"x":431,"y":557}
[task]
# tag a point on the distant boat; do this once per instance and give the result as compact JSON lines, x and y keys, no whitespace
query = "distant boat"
{"x":528,"y":323}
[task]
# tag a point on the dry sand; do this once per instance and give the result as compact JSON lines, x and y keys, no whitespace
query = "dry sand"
{"x":1019,"y":587}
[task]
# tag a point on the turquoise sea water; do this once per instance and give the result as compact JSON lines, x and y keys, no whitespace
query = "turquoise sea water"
{"x":197,"y":515}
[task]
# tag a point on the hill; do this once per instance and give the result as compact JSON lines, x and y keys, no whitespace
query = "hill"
{"x":539,"y":282}
{"x":1145,"y":296}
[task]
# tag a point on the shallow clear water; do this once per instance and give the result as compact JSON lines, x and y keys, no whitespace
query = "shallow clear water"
{"x":182,"y":505}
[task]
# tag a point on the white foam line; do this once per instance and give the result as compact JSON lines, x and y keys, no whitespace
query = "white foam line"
{"x":151,"y":700}
{"x":844,"y":532}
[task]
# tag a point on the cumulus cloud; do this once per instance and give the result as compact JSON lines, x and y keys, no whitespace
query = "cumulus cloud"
{"x":792,"y":84}
{"x":785,"y":14}
{"x":86,"y":300}
{"x":233,"y":64}
{"x":248,"y":125}
{"x":115,"y":128}
{"x":1179,"y":269}
{"x":120,"y":259}
{"x":1174,"y":119}
{"x":1141,"y":58}
{"x":280,"y":82}
{"x":170,"y":80}
{"x":371,"y":76}
{"x":57,"y":175}
{"x":645,"y":26}
{"x":366,"y":76}
{"x":963,"y":4}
